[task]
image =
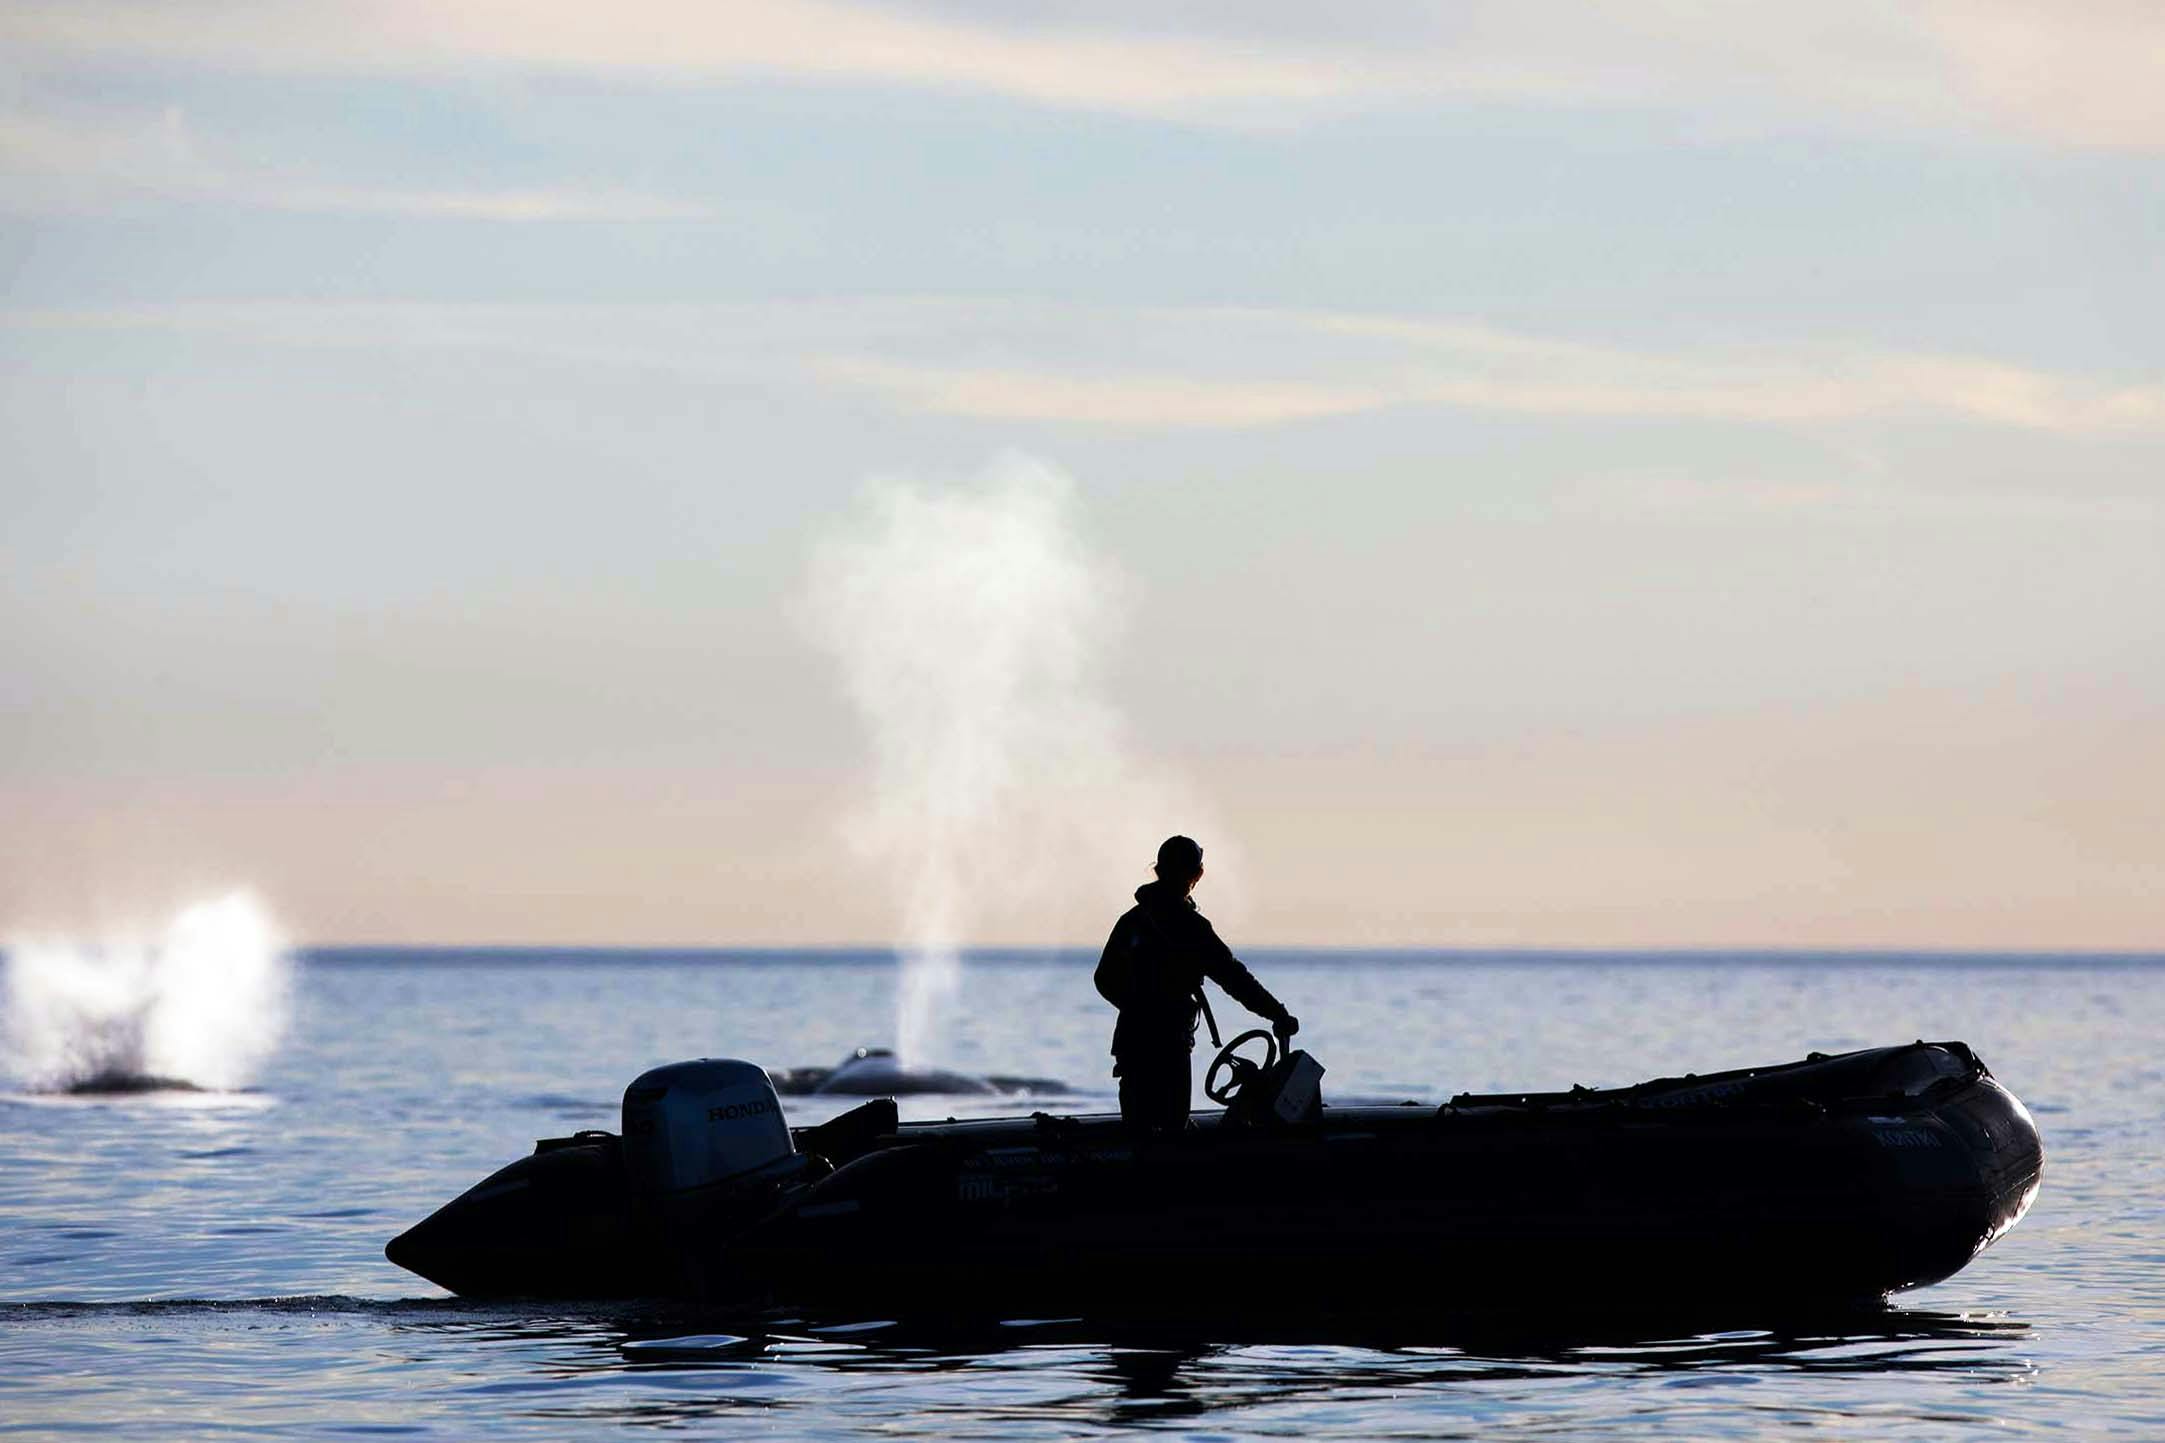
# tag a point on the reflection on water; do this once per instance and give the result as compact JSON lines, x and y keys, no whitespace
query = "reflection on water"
{"x":679,"y":1365}
{"x":1061,"y":1374}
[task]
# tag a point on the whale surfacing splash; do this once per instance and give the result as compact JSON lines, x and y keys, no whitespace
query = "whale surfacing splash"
{"x":197,"y":1009}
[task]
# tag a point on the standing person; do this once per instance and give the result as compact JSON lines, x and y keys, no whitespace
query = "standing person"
{"x":1152,"y":969}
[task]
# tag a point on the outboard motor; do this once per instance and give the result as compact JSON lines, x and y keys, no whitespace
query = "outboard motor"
{"x":693,"y":1124}
{"x":707,"y":1153}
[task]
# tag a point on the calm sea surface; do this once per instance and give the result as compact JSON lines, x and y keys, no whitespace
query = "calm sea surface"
{"x":212,"y":1266}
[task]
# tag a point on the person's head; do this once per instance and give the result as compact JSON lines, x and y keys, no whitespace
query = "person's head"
{"x":1180,"y":862}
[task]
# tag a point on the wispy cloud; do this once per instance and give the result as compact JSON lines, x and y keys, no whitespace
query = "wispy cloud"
{"x":1643,"y":386}
{"x":2083,"y":73}
{"x":1478,"y":368}
{"x":1209,"y":368}
{"x":546,"y":204}
{"x":2079,"y":72}
{"x":1662,"y":494}
{"x":102,"y":161}
{"x":1533,"y":373}
{"x":1096,"y":68}
{"x":1147,"y":400}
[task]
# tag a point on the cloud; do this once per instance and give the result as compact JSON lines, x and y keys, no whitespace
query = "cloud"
{"x":546,"y":204}
{"x":1642,"y":386}
{"x":96,"y":162}
{"x":2014,"y":396}
{"x":2085,"y":73}
{"x":2076,"y":72}
{"x":1644,"y":494}
{"x":682,"y":38}
{"x":74,"y":161}
{"x":1148,"y":400}
{"x":1205,"y":368}
{"x":1478,"y":368}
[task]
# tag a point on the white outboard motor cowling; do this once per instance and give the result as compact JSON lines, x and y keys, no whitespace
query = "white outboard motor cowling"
{"x":694,"y":1123}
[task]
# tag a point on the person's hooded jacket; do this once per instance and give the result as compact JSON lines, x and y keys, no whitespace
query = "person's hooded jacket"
{"x":1153,"y":968}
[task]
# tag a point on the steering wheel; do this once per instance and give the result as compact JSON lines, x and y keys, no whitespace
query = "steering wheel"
{"x":1243,"y":1070}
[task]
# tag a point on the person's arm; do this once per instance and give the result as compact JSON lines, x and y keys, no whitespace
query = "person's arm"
{"x":1223,"y":968}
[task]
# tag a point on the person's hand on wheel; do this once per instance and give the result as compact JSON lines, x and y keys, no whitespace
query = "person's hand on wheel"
{"x":1285,"y":1027}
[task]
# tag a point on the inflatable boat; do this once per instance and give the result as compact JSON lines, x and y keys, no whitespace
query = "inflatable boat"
{"x":1832,"y":1180}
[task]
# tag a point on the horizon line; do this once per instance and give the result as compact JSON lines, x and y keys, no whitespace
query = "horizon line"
{"x":859,"y":952}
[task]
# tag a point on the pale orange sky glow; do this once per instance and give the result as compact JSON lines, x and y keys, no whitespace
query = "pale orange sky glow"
{"x":1681,"y":477}
{"x":1927,"y":824}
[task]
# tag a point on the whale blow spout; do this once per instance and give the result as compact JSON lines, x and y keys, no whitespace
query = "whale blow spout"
{"x":200,"y":1008}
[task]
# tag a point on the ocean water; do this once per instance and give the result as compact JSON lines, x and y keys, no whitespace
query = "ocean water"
{"x":211,"y":1265}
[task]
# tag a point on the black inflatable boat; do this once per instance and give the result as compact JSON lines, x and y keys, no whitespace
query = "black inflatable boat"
{"x":1834,"y":1179}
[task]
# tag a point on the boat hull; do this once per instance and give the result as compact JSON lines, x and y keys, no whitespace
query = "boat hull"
{"x":1829,"y":1181}
{"x":1384,"y":1212}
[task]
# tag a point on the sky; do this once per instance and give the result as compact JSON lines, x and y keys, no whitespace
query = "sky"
{"x":1663,"y":474}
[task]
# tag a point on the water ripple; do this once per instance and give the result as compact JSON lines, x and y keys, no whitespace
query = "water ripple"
{"x":213,"y":1262}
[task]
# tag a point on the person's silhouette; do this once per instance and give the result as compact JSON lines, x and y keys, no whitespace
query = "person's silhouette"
{"x":1152,"y":969}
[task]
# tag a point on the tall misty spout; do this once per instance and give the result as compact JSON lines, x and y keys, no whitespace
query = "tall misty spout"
{"x":970,"y":621}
